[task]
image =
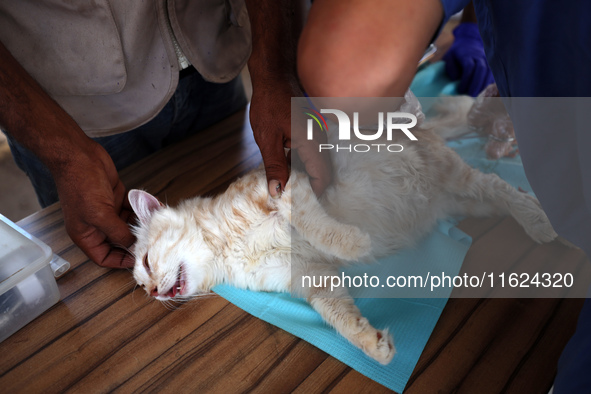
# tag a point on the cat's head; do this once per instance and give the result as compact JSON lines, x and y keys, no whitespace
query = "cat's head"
{"x":172,"y":260}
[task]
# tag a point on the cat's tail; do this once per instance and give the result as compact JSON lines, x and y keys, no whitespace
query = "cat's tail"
{"x":451,"y":120}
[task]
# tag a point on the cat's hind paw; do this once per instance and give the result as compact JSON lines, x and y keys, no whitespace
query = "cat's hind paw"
{"x":383,"y":350}
{"x":542,"y":233}
{"x":377,"y":344}
{"x":534,"y":221}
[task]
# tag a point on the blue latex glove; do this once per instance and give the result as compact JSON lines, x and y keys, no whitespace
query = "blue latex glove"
{"x":465,"y":60}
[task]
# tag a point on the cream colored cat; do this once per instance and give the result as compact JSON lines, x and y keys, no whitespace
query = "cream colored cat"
{"x":376,"y":205}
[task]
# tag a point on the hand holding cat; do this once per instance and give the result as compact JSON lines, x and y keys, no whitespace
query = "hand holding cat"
{"x":276,"y":27}
{"x":95,"y":207}
{"x":273,"y":134}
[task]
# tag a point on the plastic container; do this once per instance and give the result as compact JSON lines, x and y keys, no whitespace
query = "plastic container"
{"x":27,"y":282}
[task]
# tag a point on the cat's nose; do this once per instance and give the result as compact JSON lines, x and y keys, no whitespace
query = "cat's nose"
{"x":154,"y":292}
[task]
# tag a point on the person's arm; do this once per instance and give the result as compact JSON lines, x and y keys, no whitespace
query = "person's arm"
{"x":365,"y":48}
{"x":91,"y":194}
{"x":276,"y":25}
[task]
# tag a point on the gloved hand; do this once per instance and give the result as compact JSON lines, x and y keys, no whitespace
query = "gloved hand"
{"x":465,"y":60}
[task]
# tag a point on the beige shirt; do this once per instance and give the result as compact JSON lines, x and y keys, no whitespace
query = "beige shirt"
{"x":111,"y":64}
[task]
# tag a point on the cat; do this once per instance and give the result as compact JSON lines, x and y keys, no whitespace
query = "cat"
{"x":376,"y":205}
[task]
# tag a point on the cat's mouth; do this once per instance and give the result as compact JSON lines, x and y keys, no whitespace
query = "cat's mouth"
{"x":179,"y":286}
{"x":181,"y":282}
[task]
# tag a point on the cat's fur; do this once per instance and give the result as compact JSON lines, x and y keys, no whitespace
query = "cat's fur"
{"x":376,"y":205}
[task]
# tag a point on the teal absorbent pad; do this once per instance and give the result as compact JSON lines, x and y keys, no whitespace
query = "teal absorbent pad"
{"x":411,"y":321}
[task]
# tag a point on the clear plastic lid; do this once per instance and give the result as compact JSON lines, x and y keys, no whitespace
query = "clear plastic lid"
{"x":21,"y":254}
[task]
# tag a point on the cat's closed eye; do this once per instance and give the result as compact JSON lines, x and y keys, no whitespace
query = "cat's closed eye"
{"x":147,"y":264}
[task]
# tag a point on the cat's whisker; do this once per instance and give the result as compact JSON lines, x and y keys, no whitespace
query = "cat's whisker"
{"x":133,"y":296}
{"x":151,"y":301}
{"x":179,"y":304}
{"x":118,"y":252}
{"x":124,"y":255}
{"x":198,"y":295}
{"x":164,"y":304}
{"x":123,"y":247}
{"x":133,"y":292}
{"x":122,"y":289}
{"x":144,"y":293}
{"x":170,"y":305}
{"x":129,"y":284}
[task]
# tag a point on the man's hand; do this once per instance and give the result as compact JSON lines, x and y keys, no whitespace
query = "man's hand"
{"x":95,"y":207}
{"x":276,"y":25}
{"x":270,"y":119}
{"x":272,"y":132}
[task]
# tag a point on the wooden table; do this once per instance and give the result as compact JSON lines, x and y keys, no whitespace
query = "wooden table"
{"x":107,"y":335}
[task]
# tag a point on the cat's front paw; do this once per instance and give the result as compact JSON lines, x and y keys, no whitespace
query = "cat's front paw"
{"x":353,"y":245}
{"x":337,"y":239}
{"x":377,"y":344}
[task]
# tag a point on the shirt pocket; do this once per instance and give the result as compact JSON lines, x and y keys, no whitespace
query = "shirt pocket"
{"x":70,"y":47}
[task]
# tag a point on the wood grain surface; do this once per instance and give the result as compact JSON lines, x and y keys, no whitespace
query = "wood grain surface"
{"x":107,"y":335}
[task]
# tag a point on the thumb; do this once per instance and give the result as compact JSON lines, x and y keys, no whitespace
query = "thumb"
{"x":276,"y":168}
{"x":116,"y":230}
{"x":119,"y":240}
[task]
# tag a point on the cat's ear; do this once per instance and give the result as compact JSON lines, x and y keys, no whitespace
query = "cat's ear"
{"x":144,"y":204}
